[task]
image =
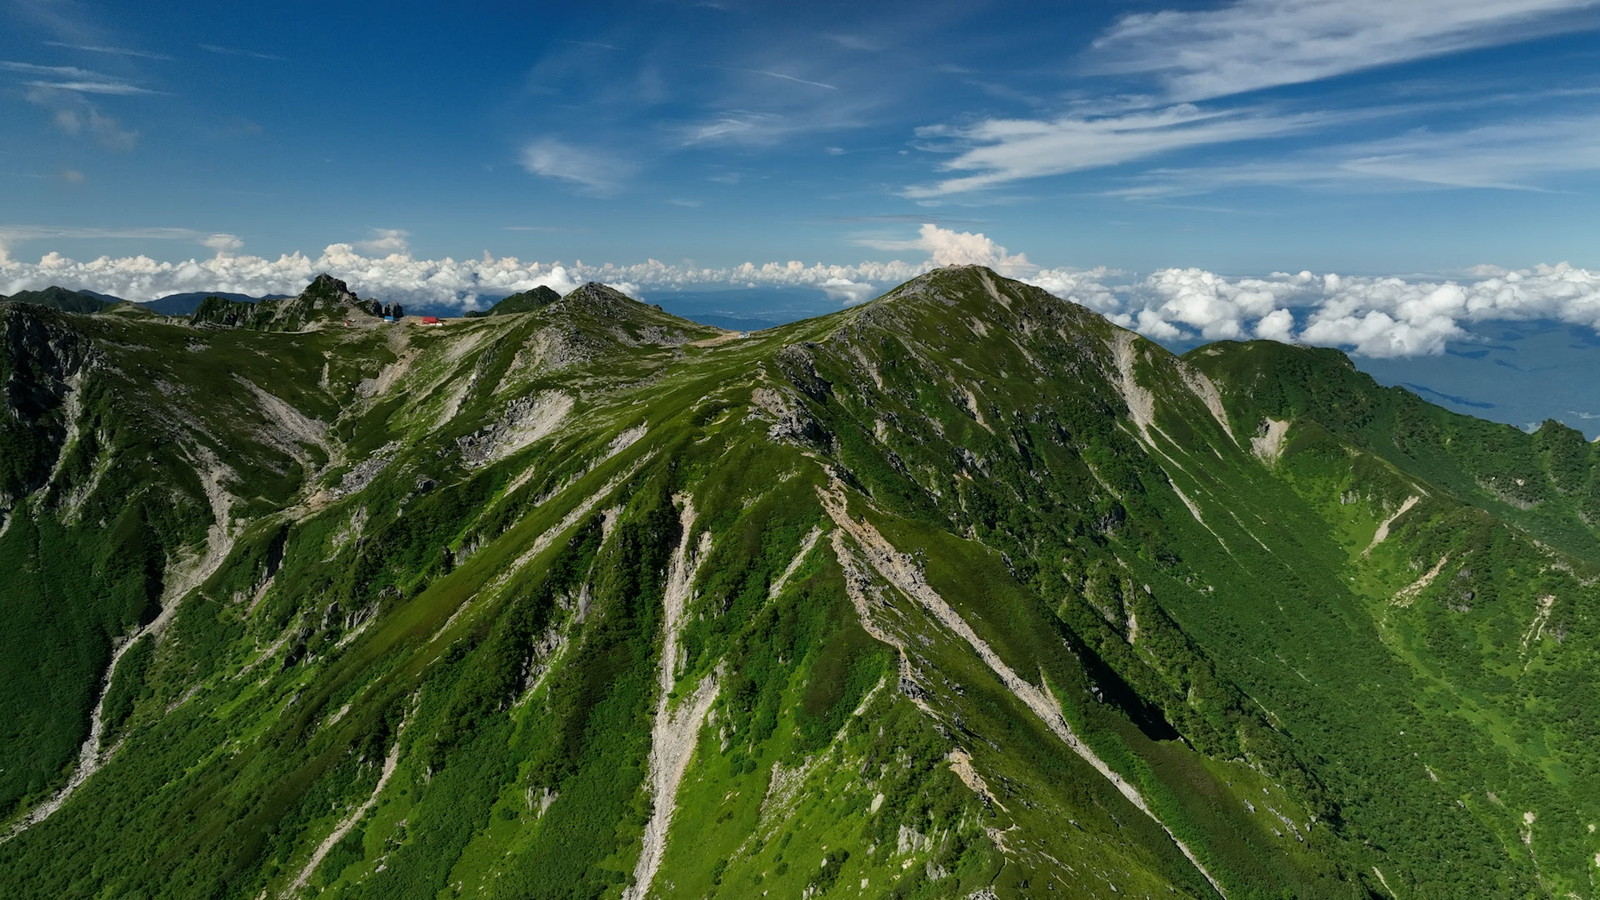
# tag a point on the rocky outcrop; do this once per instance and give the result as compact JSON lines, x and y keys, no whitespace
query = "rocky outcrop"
{"x":41,"y":358}
{"x":627,"y":320}
{"x":326,"y":299}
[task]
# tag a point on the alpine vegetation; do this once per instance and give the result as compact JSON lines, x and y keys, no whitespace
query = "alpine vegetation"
{"x":962,"y":592}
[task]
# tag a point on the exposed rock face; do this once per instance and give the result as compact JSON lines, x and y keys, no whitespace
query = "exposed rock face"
{"x":325,"y":300}
{"x":41,"y":357}
{"x":603,"y":300}
{"x":525,"y":421}
{"x":626,"y":319}
{"x":326,"y":285}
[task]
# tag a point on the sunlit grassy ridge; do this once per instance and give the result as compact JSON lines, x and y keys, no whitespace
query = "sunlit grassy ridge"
{"x":962,"y":590}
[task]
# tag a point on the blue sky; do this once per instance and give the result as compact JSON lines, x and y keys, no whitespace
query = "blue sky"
{"x":1378,"y":175}
{"x":1360,"y":137}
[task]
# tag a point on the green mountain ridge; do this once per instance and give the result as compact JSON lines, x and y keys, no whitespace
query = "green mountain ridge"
{"x":963,"y":592}
{"x":526,"y":301}
{"x":62,"y":299}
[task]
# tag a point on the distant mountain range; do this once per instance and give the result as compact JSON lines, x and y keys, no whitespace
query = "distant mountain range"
{"x":86,"y":301}
{"x":64,"y":300}
{"x":186,"y":304}
{"x":1520,"y":373}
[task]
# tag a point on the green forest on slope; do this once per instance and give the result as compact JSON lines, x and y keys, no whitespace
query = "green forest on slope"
{"x":961,"y":592}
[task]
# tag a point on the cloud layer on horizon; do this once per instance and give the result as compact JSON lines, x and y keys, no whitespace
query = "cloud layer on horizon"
{"x":1369,"y":316}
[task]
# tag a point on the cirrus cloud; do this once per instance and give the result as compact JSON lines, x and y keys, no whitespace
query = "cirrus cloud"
{"x":1253,"y":44}
{"x":595,"y":171}
{"x":1000,"y":151}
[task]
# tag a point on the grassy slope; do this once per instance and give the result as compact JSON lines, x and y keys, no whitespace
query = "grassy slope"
{"x":382,"y":595}
{"x":1485,"y":664}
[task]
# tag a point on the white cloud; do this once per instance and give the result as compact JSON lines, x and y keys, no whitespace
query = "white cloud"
{"x":779,"y":95}
{"x":594,"y":170}
{"x":1247,"y":45}
{"x":1376,"y":333}
{"x":846,"y":291}
{"x":1005,"y":150}
{"x":1253,"y":44}
{"x":793,"y":273}
{"x":74,"y":115}
{"x":81,"y":81}
{"x":754,"y":125}
{"x":947,"y":247}
{"x":739,"y":127}
{"x":1371,"y":316}
{"x":1215,"y":307}
{"x":50,"y":71}
{"x":859,"y":42}
{"x":223,"y":243}
{"x":1512,"y":155}
{"x":16,"y":233}
{"x":382,"y":266}
{"x":1377,"y":317}
{"x":385,"y":242}
{"x":791,"y":78}
{"x":1086,"y":287}
{"x":1277,"y":325}
{"x":114,"y":51}
{"x":118,"y":88}
{"x":401,"y":277}
{"x":234,"y":51}
{"x":1153,"y":326}
{"x":392,"y":277}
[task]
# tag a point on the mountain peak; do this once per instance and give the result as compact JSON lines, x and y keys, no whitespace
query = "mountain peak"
{"x":327,"y":286}
{"x":974,"y":293}
{"x":597,"y":294}
{"x":325,"y":299}
{"x":598,"y":309}
{"x":524,"y":301}
{"x":965,"y":284}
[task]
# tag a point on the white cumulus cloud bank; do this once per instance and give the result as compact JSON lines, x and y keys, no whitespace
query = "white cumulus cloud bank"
{"x":390,"y":276}
{"x":382,"y":266}
{"x":847,"y":291}
{"x":1369,"y":316}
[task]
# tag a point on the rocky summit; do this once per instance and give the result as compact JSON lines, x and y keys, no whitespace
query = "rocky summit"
{"x":962,"y":592}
